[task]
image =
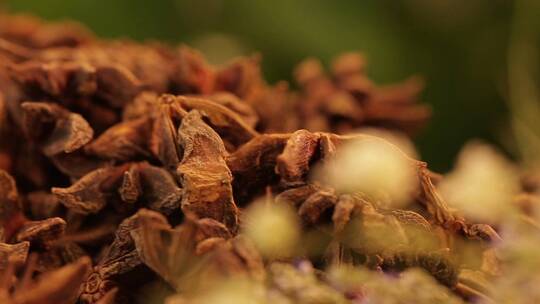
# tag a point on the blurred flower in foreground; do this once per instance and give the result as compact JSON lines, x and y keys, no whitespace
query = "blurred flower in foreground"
{"x":226,"y":292}
{"x":273,"y":227}
{"x":411,"y":286}
{"x":520,"y":252}
{"x":374,"y":167}
{"x":396,"y":138}
{"x":482,"y":184}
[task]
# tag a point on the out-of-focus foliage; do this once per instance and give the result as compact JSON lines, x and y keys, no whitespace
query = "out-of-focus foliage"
{"x":459,"y":46}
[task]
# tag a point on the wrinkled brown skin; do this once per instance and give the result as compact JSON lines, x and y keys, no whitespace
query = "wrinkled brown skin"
{"x":9,"y":196}
{"x":293,"y":163}
{"x":184,"y":255}
{"x":116,"y":84}
{"x":13,"y":52}
{"x":41,"y":205}
{"x":209,"y":228}
{"x":274,"y":107}
{"x":225,"y":122}
{"x":265,"y":159}
{"x":241,"y":77}
{"x":343,"y":211}
{"x":253,"y":165}
{"x":89,"y":194}
{"x":159,"y":190}
{"x":297,"y":195}
{"x":195,"y":75}
{"x":366,"y":214}
{"x":67,"y":280}
{"x":15,"y":254}
{"x":42,"y":232}
{"x":109,"y":297}
{"x":316,"y":204}
{"x":130,"y":190}
{"x":124,"y":141}
{"x":56,"y":129}
{"x":164,"y":137}
{"x":143,"y":105}
{"x":34,"y":33}
{"x":77,"y":164}
{"x":236,"y":257}
{"x":11,"y":216}
{"x":56,"y":79}
{"x":203,"y":173}
{"x":171,"y":252}
{"x":99,"y":80}
{"x":347,"y":99}
{"x":166,"y":251}
{"x":120,"y":257}
{"x":230,"y":101}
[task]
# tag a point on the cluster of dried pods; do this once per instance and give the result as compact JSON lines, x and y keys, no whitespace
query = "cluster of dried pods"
{"x":125,"y":163}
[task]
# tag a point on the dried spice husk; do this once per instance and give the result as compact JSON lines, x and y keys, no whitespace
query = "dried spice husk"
{"x":55,"y":129}
{"x":203,"y":173}
{"x":314,"y":202}
{"x":111,"y":164}
{"x":253,"y":165}
{"x":176,"y":254}
{"x":32,"y":32}
{"x":13,"y":254}
{"x":119,"y":258}
{"x":65,"y":290}
{"x":11,"y":215}
{"x":347,"y":99}
{"x":90,"y":193}
{"x":123,"y":142}
{"x":225,"y":122}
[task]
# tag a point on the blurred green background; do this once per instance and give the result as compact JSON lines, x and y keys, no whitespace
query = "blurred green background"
{"x":459,"y":46}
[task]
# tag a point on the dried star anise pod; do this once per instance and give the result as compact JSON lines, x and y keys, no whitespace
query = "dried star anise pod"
{"x":120,"y":257}
{"x":56,"y":286}
{"x":142,"y":157}
{"x":204,"y":176}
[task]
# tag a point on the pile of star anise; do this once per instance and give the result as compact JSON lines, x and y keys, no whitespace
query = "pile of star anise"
{"x":127,"y":164}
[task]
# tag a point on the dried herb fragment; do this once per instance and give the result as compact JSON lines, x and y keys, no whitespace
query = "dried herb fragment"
{"x":153,"y":198}
{"x":160,"y":192}
{"x":123,"y":142}
{"x":253,"y":165}
{"x":54,"y":128}
{"x":164,"y":139}
{"x":119,"y":258}
{"x":42,"y":232}
{"x":57,"y":79}
{"x":14,"y":254}
{"x":224,"y":121}
{"x":11,"y":216}
{"x":67,"y":281}
{"x":205,"y":178}
{"x":89,"y":194}
{"x":293,"y":163}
